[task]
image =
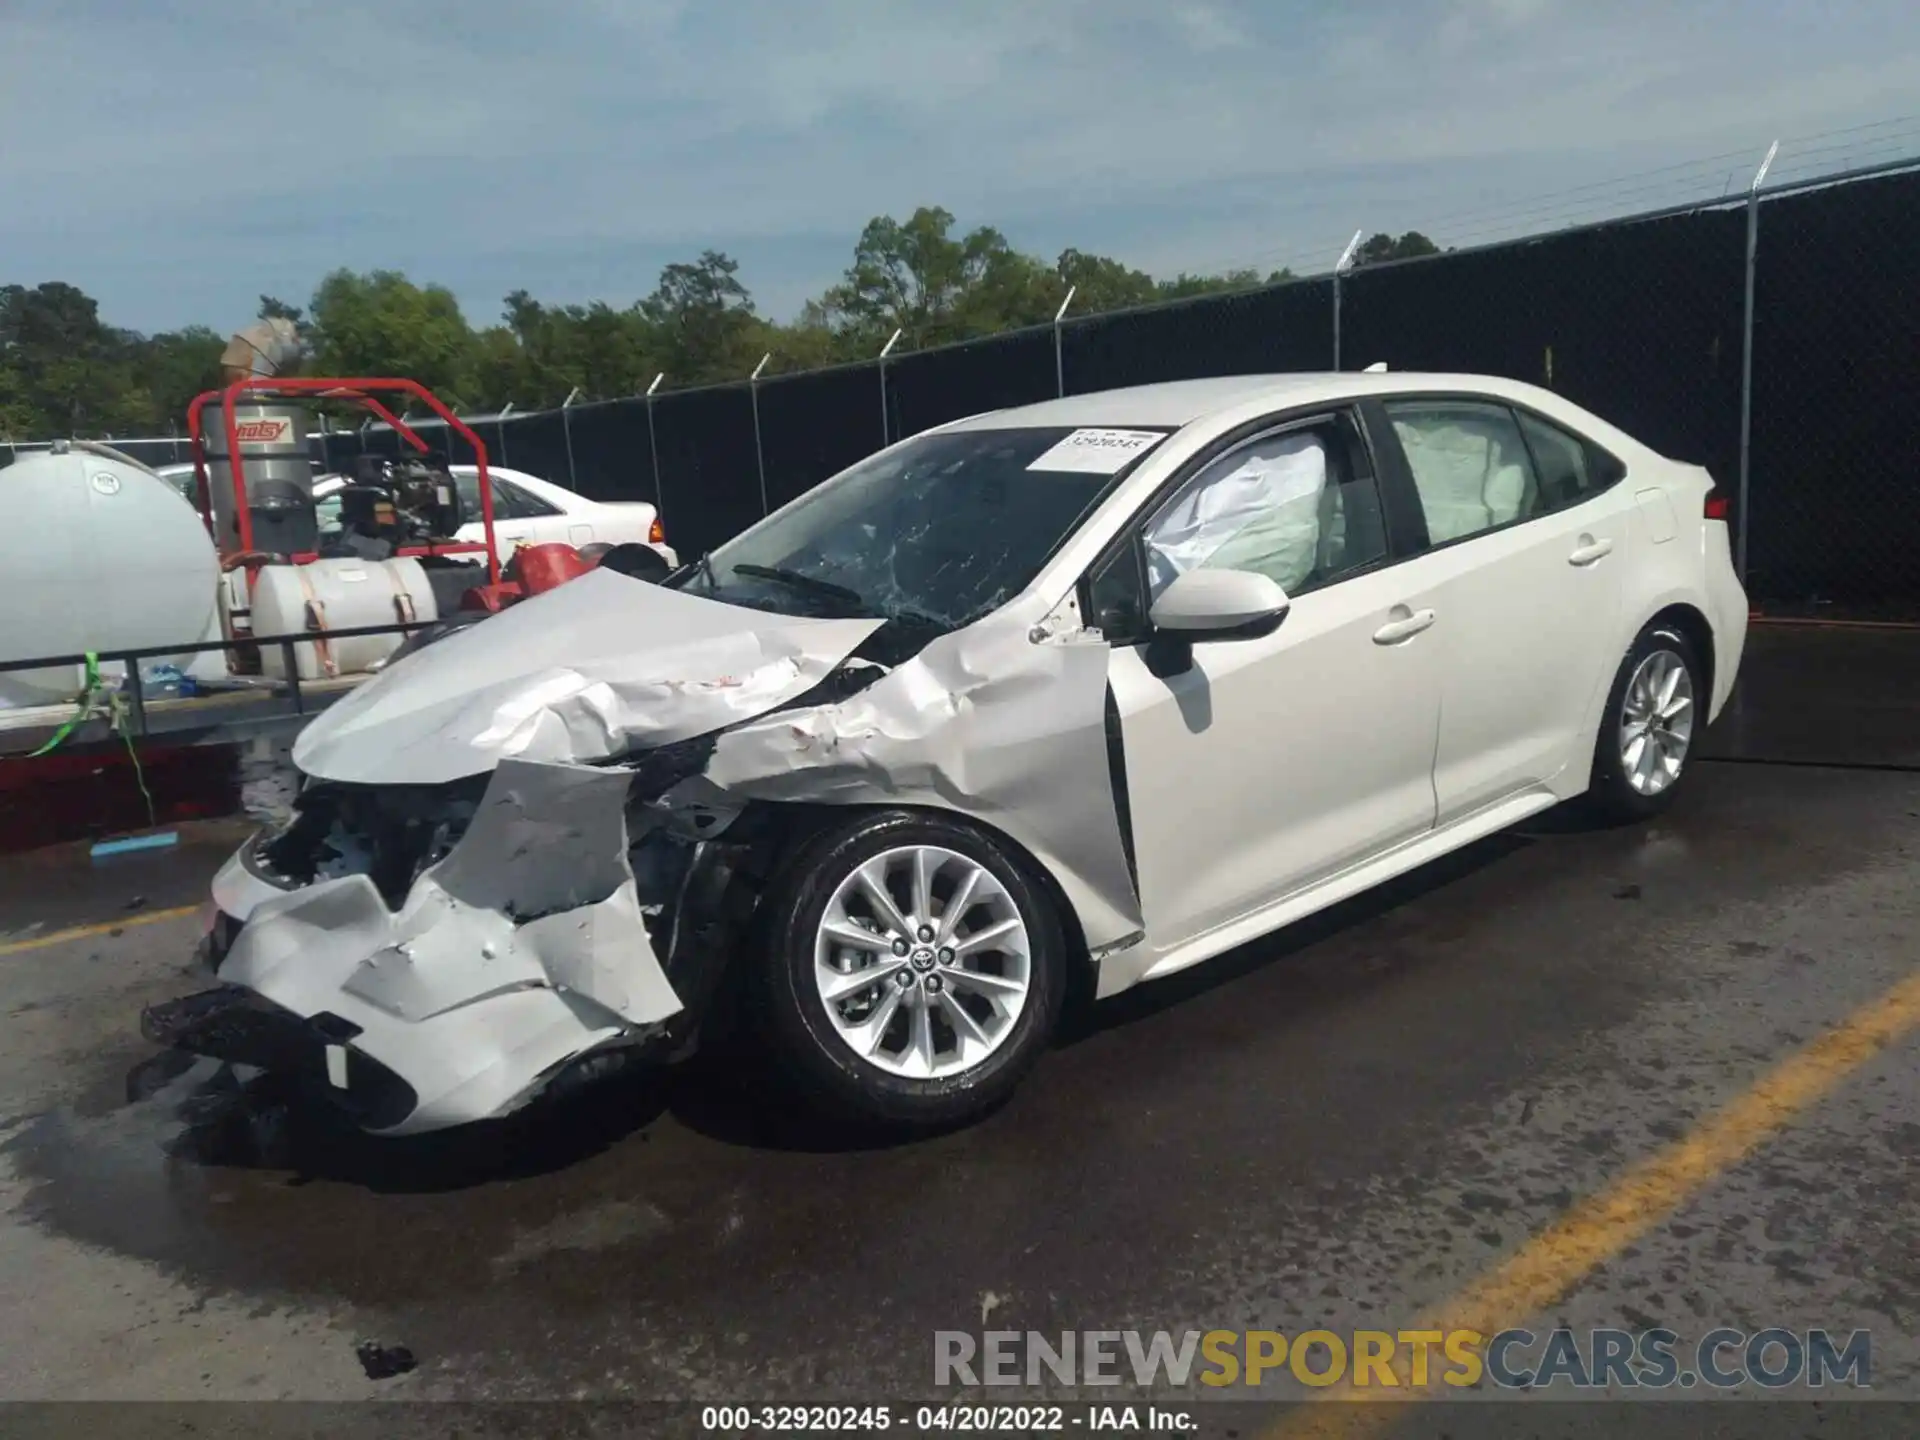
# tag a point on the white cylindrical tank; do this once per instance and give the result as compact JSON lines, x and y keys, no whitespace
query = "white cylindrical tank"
{"x":340,"y":595}
{"x":98,"y":553}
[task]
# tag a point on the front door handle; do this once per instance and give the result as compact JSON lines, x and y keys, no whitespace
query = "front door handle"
{"x":1590,"y":550}
{"x":1408,"y":624}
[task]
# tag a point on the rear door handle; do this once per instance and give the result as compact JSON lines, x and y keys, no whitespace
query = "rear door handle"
{"x":1405,"y":628}
{"x":1590,"y":550}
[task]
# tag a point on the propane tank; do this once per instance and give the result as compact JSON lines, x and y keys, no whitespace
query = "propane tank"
{"x":279,"y":476}
{"x":103,"y":555}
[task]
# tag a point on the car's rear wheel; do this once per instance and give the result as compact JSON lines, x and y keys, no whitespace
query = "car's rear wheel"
{"x":912,"y":973}
{"x":1648,"y":730}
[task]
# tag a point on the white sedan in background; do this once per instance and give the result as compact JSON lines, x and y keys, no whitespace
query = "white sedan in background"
{"x":525,"y":508}
{"x":530,"y":510}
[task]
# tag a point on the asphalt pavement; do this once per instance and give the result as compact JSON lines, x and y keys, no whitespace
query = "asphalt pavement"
{"x":1348,"y":1126}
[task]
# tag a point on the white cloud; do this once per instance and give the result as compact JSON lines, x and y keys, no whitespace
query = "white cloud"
{"x":176,"y":163}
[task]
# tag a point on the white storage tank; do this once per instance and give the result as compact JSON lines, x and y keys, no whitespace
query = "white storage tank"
{"x":340,"y":595}
{"x":98,"y":553}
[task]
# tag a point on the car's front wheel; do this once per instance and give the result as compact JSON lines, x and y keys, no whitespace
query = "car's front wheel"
{"x":912,"y":970}
{"x":1647,"y":733}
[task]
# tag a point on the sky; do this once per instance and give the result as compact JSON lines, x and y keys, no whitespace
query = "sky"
{"x":178,"y":158}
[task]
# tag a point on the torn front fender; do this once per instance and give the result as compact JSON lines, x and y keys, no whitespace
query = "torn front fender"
{"x":1004,"y":721}
{"x":522,"y":949}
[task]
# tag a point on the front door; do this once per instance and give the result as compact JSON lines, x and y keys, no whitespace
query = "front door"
{"x":1271,"y":763}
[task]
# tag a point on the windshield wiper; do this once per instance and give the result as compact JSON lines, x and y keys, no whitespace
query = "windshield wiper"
{"x":799,"y":581}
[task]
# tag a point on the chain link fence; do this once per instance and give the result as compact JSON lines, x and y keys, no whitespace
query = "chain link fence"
{"x":1643,"y":320}
{"x":1834,"y":503}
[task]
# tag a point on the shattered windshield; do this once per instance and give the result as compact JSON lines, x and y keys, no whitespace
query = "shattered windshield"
{"x":938,"y":531}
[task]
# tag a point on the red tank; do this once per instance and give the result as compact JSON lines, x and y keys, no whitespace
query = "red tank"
{"x":540,"y":568}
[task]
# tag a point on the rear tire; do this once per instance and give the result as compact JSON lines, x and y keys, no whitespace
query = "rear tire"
{"x":947,"y":1028}
{"x":1650,"y":727}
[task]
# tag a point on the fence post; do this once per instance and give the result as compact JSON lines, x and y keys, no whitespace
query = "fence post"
{"x":501,"y":421}
{"x":885,"y":350}
{"x":1340,"y":268}
{"x":1746,"y":360}
{"x":566,"y":432}
{"x":759,"y":451}
{"x":653,"y":454}
{"x":1059,"y":354}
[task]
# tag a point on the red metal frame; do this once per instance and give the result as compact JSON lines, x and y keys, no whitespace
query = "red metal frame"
{"x":335,"y":389}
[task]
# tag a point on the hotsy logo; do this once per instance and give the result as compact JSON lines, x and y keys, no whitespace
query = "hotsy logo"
{"x":259,"y":432}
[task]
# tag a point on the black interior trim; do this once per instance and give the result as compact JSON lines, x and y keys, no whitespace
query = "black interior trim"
{"x":1117,"y":773}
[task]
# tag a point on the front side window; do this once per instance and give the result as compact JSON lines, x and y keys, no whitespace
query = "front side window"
{"x":1469,"y":464}
{"x":1299,"y":506}
{"x":940,"y":530}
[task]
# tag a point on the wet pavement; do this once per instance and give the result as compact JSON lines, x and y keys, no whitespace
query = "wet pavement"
{"x":1335,"y":1128}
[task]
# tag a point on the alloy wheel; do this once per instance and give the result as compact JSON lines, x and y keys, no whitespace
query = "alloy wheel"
{"x":922,"y":962}
{"x":1656,"y":722}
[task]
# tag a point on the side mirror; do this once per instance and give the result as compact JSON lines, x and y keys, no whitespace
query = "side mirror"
{"x":1219,"y":605}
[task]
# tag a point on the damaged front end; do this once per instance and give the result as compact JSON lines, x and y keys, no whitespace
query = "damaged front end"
{"x":431,"y":954}
{"x":430,"y":959}
{"x":567,"y":888}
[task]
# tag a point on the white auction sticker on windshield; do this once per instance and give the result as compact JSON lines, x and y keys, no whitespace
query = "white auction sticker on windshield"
{"x":1097,"y":452}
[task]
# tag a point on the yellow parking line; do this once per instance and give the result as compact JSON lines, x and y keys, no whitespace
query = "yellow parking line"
{"x":81,"y":932}
{"x":1601,"y":1226}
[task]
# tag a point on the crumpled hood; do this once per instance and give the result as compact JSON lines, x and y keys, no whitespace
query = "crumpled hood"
{"x":597,"y":667}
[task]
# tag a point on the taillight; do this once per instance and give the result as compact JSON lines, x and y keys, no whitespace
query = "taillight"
{"x":1718,"y":506}
{"x":656,"y":533}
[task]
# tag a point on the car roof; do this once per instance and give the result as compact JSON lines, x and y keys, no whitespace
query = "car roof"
{"x":1181,"y":402}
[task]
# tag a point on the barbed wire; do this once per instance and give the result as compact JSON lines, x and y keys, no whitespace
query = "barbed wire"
{"x":1703,"y":179}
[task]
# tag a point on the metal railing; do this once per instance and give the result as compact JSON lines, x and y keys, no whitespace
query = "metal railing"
{"x":133,"y":685}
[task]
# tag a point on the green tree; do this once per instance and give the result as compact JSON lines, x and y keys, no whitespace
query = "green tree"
{"x":1383,"y":246}
{"x":173,"y":368}
{"x":67,"y":373}
{"x":274,"y":308}
{"x":1103,"y":284}
{"x":383,"y":324}
{"x":703,"y":323}
{"x":917,"y":276}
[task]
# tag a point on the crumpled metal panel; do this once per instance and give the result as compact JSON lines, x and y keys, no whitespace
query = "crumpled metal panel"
{"x":537,"y":896}
{"x":595,"y":668}
{"x":986,"y":721}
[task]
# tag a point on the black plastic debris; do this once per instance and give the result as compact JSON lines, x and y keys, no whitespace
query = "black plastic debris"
{"x":138,"y":902}
{"x":383,"y":1362}
{"x":1627,"y":892}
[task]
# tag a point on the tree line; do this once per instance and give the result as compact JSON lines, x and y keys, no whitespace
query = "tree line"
{"x":65,"y":371}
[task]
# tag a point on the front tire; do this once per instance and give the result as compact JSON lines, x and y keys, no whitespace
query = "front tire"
{"x":911,"y":972}
{"x":1649,"y":729}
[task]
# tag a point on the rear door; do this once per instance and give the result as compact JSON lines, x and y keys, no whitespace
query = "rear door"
{"x":1525,"y":560}
{"x":1267,"y":764}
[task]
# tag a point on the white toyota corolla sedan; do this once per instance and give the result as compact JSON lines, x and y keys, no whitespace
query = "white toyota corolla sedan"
{"x":1111,"y":683}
